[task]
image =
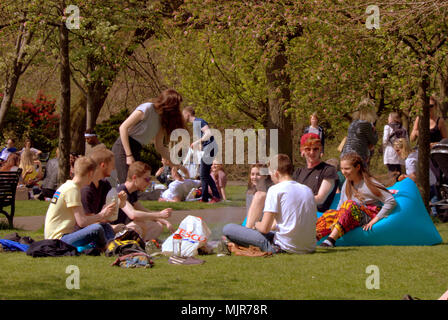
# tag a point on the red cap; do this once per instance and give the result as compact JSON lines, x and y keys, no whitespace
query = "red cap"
{"x":308,"y":136}
{"x":177,"y":236}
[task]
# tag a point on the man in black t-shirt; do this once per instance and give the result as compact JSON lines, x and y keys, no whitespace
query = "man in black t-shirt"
{"x":93,"y":196}
{"x":149,"y":225}
{"x":319,"y":176}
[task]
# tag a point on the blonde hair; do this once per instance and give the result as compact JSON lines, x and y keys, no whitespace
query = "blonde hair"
{"x":395,"y":117}
{"x":101,"y":154}
{"x":403,"y":145}
{"x":138,"y":169}
{"x":365,"y":111}
{"x":26,"y":159}
{"x":83,"y":166}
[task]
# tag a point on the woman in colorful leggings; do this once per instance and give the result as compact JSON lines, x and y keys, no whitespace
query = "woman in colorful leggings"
{"x":364,"y":201}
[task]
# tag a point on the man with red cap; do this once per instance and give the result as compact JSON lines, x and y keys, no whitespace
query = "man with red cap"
{"x":319,"y":176}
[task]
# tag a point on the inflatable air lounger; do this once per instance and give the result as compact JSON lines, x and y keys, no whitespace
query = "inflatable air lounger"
{"x":409,"y":224}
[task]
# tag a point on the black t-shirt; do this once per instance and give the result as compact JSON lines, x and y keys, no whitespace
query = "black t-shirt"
{"x":93,"y":199}
{"x":313,"y":179}
{"x":131,"y":198}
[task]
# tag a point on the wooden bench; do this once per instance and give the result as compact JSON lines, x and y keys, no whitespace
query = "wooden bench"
{"x":8,"y":187}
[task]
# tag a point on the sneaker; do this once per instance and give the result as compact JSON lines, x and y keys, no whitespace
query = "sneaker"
{"x":327,"y":244}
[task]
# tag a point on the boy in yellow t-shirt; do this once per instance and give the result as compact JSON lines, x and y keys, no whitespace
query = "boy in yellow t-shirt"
{"x":65,"y":211}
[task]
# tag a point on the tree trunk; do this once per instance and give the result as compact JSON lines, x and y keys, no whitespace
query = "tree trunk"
{"x":10,"y":89}
{"x":78,"y":125}
{"x":13,"y":79}
{"x":64,"y":123}
{"x":423,"y":142}
{"x":279,"y":97}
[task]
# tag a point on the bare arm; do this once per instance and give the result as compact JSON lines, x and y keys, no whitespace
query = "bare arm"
{"x":266,"y":224}
{"x":414,"y":132}
{"x":83,"y":220}
{"x":130,"y":122}
{"x":139,"y":212}
{"x":205,"y":137}
{"x":256,"y":208}
{"x":324,"y":191}
{"x":158,"y":144}
{"x":223,"y":192}
{"x":185,"y":172}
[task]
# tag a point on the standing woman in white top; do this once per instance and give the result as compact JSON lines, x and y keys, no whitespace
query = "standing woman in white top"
{"x":150,"y":121}
{"x":391,"y":159}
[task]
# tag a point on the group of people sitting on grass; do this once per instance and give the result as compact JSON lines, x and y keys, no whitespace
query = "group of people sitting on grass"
{"x":79,"y":215}
{"x":282,"y":206}
{"x":281,"y":203}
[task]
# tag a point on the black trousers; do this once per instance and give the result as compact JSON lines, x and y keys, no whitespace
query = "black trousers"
{"x":120,"y":157}
{"x":206,"y":178}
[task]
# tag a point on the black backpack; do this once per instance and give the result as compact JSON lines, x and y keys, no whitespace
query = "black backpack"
{"x":398,"y":132}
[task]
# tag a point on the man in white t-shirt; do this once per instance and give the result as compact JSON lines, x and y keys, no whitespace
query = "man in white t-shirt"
{"x":289,"y":218}
{"x":179,"y":189}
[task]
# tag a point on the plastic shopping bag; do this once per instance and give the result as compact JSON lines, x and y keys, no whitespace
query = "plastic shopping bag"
{"x":192,"y":161}
{"x":195,"y":234}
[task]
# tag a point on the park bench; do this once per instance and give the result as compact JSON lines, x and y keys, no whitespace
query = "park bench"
{"x":8,"y":187}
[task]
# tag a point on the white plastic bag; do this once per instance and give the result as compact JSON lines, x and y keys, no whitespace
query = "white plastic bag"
{"x":195,"y":234}
{"x":192,"y":161}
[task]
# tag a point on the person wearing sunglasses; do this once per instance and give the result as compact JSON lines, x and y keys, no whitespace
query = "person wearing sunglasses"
{"x":437,"y":128}
{"x":149,"y":225}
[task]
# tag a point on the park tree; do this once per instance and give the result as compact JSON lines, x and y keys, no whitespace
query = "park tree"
{"x":396,"y":63}
{"x":237,"y":50}
{"x":23,"y":39}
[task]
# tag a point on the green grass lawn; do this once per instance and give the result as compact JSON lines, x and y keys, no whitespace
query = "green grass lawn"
{"x":338,"y":273}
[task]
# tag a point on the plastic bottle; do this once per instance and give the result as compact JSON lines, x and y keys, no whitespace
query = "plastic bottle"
{"x":177,"y":245}
{"x":112,"y":196}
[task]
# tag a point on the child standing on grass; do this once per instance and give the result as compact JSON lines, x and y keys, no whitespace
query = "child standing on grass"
{"x":289,"y":219}
{"x":65,"y":211}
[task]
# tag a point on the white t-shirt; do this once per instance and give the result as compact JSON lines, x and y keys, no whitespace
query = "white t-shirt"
{"x":411,"y":167}
{"x":390,"y":156}
{"x":295,"y":212}
{"x":180,"y":189}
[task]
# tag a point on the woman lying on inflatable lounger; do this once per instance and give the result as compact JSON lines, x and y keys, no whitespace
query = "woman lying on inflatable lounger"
{"x":364,"y":201}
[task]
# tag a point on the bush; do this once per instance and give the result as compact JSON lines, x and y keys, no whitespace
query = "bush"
{"x":36,"y":120}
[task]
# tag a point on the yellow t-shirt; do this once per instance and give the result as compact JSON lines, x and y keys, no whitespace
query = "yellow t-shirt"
{"x":60,"y":218}
{"x":27,"y":177}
